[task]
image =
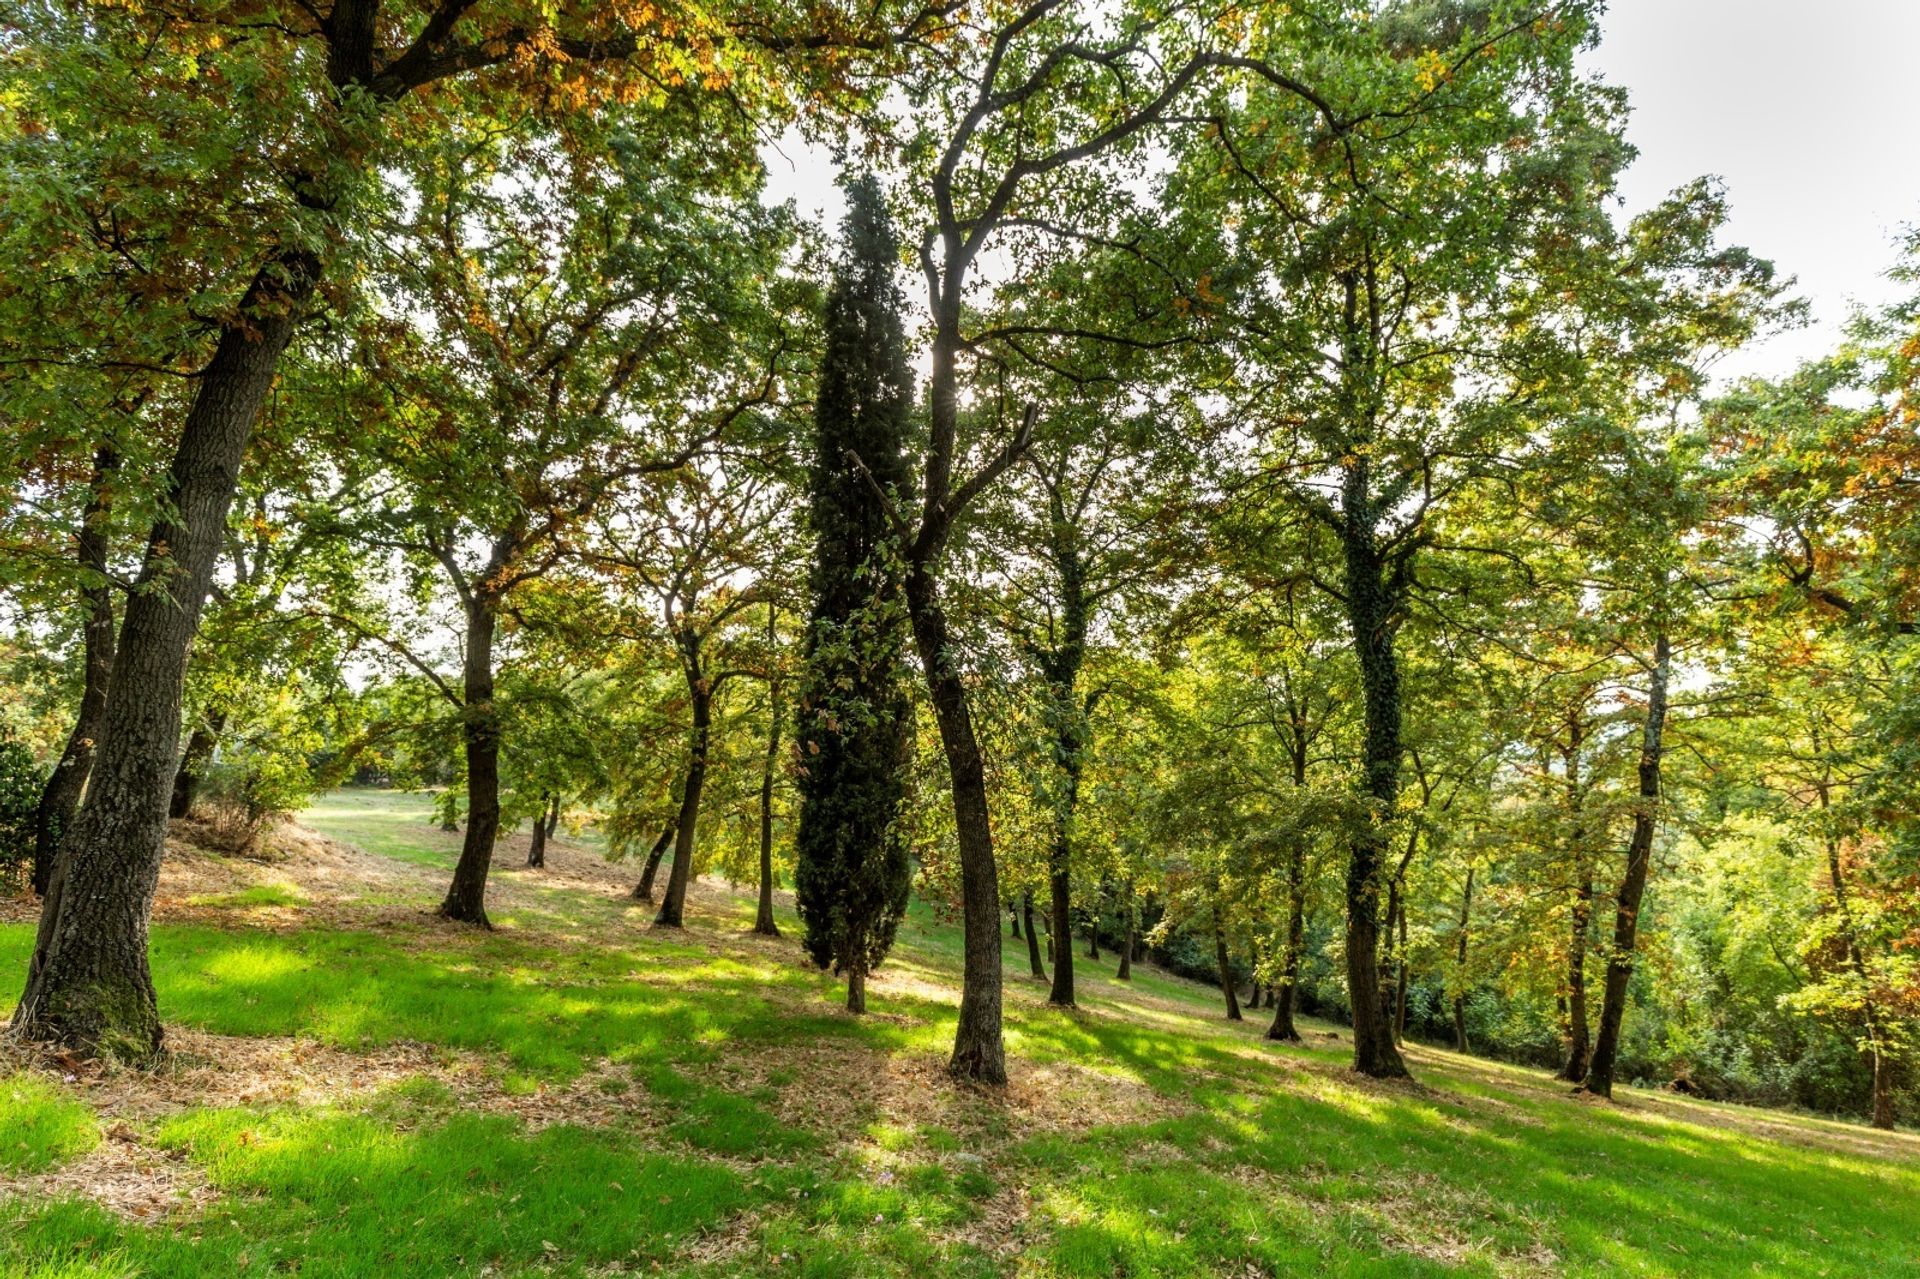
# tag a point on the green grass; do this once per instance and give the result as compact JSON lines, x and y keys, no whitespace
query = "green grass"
{"x":725,"y":1118}
{"x":41,"y":1125}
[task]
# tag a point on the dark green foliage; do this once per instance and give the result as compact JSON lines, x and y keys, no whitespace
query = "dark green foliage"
{"x":21,"y":781}
{"x":853,"y":872}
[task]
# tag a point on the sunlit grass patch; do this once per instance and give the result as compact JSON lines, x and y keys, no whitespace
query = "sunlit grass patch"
{"x":41,"y":1125}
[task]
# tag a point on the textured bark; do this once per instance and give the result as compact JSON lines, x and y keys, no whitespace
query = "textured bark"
{"x":979,"y":1051}
{"x":1633,"y":886}
{"x":61,"y":797}
{"x":1033,"y":937}
{"x":1226,"y":972}
{"x":466,"y":900}
{"x":643,"y":891}
{"x":88,"y":984}
{"x":1370,"y":609}
{"x":673,"y":903}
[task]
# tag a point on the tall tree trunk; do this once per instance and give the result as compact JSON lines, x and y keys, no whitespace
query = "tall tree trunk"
{"x":537,"y":846}
{"x":1579,"y":1045}
{"x":1460,"y":962}
{"x":1400,"y":980}
{"x":553,"y":819}
{"x":1033,"y":937}
{"x":1283,"y":1028}
{"x":643,"y":891}
{"x":1877,"y":1042}
{"x":1226,"y":969}
{"x":1128,"y":922}
{"x":1058,"y":879}
{"x":1370,"y":617}
{"x":1013,"y":917}
{"x":88,"y":984}
{"x":673,"y":903}
{"x":1626,"y":922}
{"x":979,"y":1051}
{"x":61,"y":797}
{"x":763,"y":922}
{"x":466,"y":900}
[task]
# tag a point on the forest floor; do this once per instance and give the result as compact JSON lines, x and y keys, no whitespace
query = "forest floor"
{"x":357,"y":1088}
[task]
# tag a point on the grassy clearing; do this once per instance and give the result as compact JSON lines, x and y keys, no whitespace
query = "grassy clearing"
{"x":588,"y":1097}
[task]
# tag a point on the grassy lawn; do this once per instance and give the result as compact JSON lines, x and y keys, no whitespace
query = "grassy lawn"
{"x":362,"y":1090}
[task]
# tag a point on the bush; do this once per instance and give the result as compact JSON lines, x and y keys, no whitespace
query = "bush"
{"x":21,"y":781}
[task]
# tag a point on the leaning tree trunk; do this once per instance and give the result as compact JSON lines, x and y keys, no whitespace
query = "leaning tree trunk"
{"x":88,"y":984}
{"x":1460,"y":968}
{"x":643,"y":891}
{"x":1033,"y":937}
{"x":673,"y":903}
{"x":193,"y":763}
{"x":537,"y":846}
{"x":1626,"y":922}
{"x":466,"y":900}
{"x":1579,"y":1046}
{"x":763,"y":922}
{"x":979,"y":1051}
{"x":1226,"y":969}
{"x":61,"y":797}
{"x":1370,"y":612}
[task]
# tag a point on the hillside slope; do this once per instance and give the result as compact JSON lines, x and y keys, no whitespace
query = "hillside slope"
{"x":360,"y":1089}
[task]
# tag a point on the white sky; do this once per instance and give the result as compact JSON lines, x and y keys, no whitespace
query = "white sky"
{"x":1804,"y":107}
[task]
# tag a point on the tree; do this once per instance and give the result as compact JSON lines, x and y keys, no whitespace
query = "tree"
{"x":853,"y":872}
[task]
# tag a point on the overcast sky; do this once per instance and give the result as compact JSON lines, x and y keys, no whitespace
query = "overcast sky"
{"x":1806,"y":108}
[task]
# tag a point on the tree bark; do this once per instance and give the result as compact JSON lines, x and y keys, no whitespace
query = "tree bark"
{"x":193,"y":763}
{"x":979,"y":1051}
{"x":1370,"y":617}
{"x":1579,"y":1046}
{"x":643,"y":891}
{"x":1226,"y":970}
{"x":673,"y":903}
{"x":1013,"y":915}
{"x":1460,"y":961}
{"x":1283,"y":1028}
{"x":1059,"y":880}
{"x":1033,"y":937}
{"x":1626,"y":923}
{"x":537,"y":846}
{"x":1400,"y":979}
{"x":466,"y":900}
{"x":763,"y":921}
{"x":61,"y":797}
{"x":1127,"y":924}
{"x":856,"y":990}
{"x":88,"y":983}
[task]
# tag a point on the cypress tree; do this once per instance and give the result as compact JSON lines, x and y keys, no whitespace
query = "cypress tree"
{"x":853,"y":873}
